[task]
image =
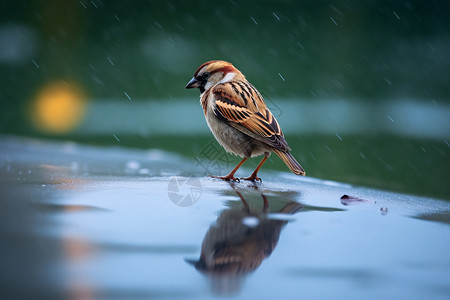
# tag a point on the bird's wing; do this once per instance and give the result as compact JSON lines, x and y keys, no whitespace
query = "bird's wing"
{"x":239,"y":104}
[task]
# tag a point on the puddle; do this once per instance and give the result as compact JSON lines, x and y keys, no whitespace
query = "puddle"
{"x":100,"y":229}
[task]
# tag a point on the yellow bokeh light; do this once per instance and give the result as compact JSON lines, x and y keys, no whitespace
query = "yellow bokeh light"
{"x":58,"y":107}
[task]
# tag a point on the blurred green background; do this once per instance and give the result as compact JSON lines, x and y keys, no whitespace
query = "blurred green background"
{"x":360,"y":88}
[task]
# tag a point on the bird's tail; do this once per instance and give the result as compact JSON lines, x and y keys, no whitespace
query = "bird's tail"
{"x":290,"y":161}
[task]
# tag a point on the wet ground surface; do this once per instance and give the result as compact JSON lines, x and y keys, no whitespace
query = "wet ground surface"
{"x":81,"y":222}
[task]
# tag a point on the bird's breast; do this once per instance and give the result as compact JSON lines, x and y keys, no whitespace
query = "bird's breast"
{"x":204,"y":101}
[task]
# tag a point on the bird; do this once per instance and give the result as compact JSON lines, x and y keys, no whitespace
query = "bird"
{"x":239,"y":118}
{"x":232,"y":248}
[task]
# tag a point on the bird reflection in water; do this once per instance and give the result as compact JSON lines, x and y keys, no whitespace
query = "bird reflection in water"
{"x":239,"y":241}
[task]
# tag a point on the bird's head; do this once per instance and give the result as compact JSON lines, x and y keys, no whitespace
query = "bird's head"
{"x":213,"y":72}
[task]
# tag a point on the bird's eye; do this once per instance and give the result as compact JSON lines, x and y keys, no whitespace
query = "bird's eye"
{"x":206,"y":75}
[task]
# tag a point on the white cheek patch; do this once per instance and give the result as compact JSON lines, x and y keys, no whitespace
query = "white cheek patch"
{"x":208,"y":85}
{"x":228,"y":77}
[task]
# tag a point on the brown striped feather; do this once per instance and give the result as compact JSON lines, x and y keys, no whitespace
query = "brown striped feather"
{"x":251,"y":117}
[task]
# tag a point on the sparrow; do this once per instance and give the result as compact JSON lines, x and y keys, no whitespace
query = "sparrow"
{"x":239,"y":118}
{"x":231,"y":248}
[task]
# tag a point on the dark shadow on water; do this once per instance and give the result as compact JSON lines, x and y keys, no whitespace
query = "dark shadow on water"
{"x":242,"y":237}
{"x":443,"y":217}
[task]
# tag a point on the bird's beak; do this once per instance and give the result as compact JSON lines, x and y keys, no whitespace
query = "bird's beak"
{"x":194,"y":83}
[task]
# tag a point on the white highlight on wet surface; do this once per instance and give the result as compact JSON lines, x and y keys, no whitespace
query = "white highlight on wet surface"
{"x":144,"y":171}
{"x":281,"y":76}
{"x":115,"y":136}
{"x":254,"y":20}
{"x":280,"y":217}
{"x":133,"y":165}
{"x":83,"y":4}
{"x":339,"y":137}
{"x":250,"y":221}
{"x":110,"y":61}
{"x":333,"y":21}
{"x":129,"y":98}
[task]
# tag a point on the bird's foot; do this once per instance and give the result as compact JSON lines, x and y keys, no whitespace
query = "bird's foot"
{"x":253,"y":178}
{"x":227,"y":177}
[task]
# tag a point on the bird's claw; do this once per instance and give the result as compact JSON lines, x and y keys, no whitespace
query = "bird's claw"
{"x":227,"y":177}
{"x":253,"y":178}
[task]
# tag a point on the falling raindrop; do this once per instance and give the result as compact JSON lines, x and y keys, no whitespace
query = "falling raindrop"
{"x":396,"y":15}
{"x":35,"y":63}
{"x":276,"y":16}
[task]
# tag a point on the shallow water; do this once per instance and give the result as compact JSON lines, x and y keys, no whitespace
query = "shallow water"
{"x":81,"y":222}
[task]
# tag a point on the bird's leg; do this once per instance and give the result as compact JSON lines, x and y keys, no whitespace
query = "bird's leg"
{"x":266,"y":204}
{"x":230,"y":176}
{"x":254,"y":177}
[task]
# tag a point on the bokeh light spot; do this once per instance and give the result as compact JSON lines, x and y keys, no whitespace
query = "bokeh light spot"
{"x":58,"y":107}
